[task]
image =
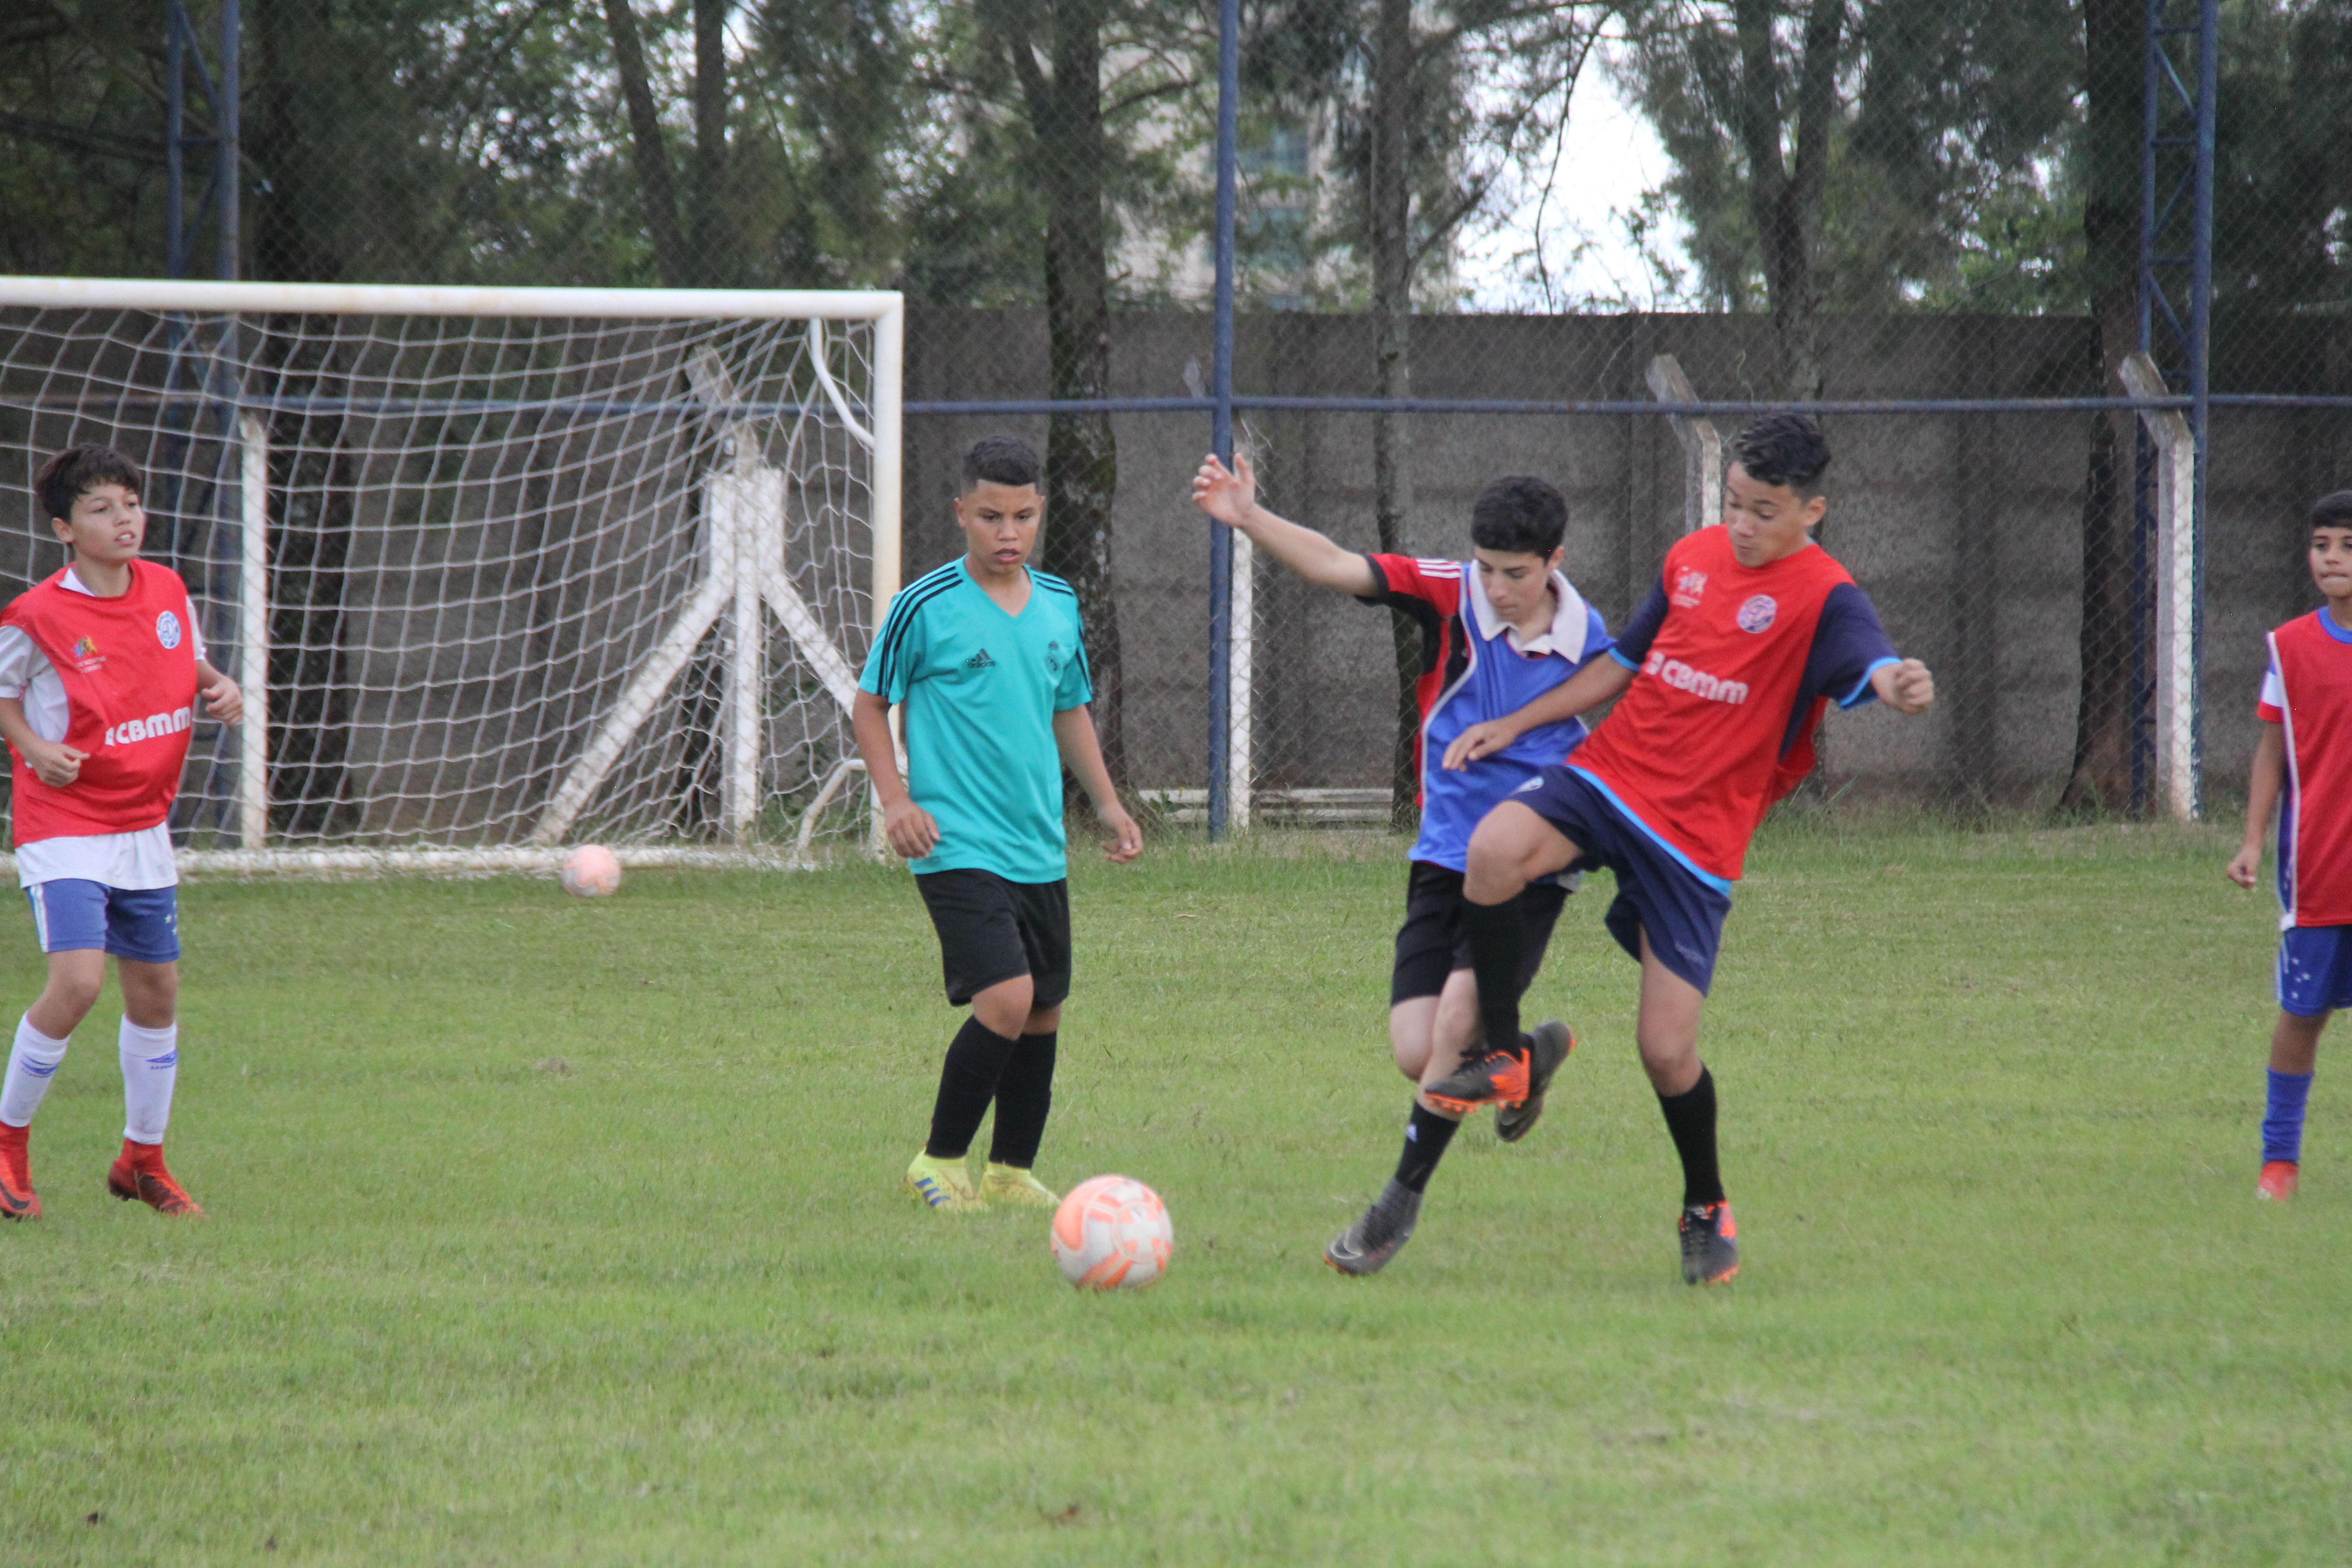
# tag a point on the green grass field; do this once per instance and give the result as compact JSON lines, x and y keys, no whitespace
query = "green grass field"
{"x":548,"y":1230}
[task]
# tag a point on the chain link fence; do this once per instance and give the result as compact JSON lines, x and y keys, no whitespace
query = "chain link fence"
{"x":1943,"y":207}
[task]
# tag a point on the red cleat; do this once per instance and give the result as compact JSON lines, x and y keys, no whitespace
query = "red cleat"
{"x":18,"y":1199}
{"x":2277,"y":1184}
{"x":144,"y":1177}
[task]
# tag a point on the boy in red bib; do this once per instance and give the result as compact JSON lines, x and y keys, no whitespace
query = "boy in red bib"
{"x":2302,"y":765}
{"x":1722,"y":675}
{"x":101,"y":665}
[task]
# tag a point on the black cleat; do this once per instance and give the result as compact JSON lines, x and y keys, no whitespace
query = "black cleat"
{"x":1710,"y":1244}
{"x":1548,"y":1046}
{"x":1365,"y":1246}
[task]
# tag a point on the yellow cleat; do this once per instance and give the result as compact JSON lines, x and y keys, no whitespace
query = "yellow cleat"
{"x":940,"y":1184}
{"x":1012,"y":1184}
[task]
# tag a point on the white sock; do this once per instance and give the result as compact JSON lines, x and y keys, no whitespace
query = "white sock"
{"x":150,"y":1065}
{"x":30,"y":1063}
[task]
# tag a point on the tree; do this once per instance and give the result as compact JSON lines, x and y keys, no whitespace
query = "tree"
{"x":1434,"y":113}
{"x":1847,"y":154}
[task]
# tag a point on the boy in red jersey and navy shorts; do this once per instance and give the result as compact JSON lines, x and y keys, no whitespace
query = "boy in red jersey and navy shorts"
{"x":1721,"y":678}
{"x":2302,"y":765}
{"x":101,"y":665}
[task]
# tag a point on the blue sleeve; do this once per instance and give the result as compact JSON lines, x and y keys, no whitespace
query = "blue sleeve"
{"x":1634,"y":638}
{"x":897,"y":653}
{"x":1849,"y":648}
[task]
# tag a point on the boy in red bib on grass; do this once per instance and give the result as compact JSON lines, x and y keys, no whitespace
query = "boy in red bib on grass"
{"x":101,"y":665}
{"x":1720,"y":679}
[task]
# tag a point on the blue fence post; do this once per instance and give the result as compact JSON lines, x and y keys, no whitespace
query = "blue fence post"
{"x":1220,"y":539}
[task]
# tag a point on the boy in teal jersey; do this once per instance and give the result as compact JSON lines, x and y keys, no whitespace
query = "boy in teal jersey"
{"x":986,"y":660}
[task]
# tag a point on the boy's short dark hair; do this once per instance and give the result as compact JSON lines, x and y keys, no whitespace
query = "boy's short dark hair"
{"x":1783,"y":449}
{"x":75,"y":471}
{"x":1520,"y":514}
{"x":1001,"y":460}
{"x":2332,"y":511}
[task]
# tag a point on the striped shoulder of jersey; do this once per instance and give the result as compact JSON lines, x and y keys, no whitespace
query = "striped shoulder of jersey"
{"x":1438,"y":568}
{"x":910,"y":601}
{"x":1052,"y":584}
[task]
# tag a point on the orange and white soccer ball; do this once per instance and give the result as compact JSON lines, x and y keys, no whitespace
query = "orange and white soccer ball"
{"x":1112,"y":1233}
{"x":592,"y":871}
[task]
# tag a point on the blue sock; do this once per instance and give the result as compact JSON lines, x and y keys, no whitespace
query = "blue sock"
{"x":2283,"y":1122}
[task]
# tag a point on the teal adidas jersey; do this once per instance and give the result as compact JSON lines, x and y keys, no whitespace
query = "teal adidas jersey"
{"x":981,"y":688}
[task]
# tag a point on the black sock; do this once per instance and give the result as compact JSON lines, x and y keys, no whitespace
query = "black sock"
{"x":1497,"y":933}
{"x":1025,"y":1093}
{"x":1690,"y":1117}
{"x":975,"y":1062}
{"x":1425,"y":1138}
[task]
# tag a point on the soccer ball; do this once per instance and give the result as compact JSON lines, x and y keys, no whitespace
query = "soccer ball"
{"x":591,"y":871}
{"x":1112,"y":1233}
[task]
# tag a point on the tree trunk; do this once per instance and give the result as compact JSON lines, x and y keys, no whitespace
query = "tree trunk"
{"x":2101,"y":776}
{"x":1081,"y":450}
{"x":710,"y":233}
{"x":1391,"y":191}
{"x":649,"y":155}
{"x":1785,"y":200}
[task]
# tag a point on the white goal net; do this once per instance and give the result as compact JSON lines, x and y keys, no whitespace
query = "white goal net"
{"x":500,"y":570}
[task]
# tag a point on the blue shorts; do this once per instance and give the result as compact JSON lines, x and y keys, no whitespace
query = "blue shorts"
{"x":2315,"y":970}
{"x":71,"y":915}
{"x":1657,"y":892}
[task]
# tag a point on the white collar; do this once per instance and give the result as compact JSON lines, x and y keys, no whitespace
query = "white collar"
{"x":1566,"y":638}
{"x":73,"y":582}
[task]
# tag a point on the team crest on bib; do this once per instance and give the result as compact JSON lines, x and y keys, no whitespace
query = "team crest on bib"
{"x":1756,"y":614}
{"x":167,"y":629}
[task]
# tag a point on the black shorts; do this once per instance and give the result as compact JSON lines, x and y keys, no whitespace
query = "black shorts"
{"x":993,"y":931}
{"x":1431,"y":945}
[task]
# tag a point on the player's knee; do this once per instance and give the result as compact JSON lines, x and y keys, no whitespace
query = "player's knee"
{"x":72,"y":991}
{"x":1003,"y":1008}
{"x":1042,"y":1020}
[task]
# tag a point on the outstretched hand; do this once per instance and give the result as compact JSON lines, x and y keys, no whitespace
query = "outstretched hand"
{"x":1481,"y":740}
{"x":1907,"y":686}
{"x":1229,"y":494}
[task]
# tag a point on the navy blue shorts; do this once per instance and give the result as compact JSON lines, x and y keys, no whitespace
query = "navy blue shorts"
{"x":2315,"y":970}
{"x":1657,"y":890}
{"x":71,"y":915}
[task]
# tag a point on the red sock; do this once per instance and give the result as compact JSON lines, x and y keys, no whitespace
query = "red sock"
{"x":13,"y":1138}
{"x":143,"y":1156}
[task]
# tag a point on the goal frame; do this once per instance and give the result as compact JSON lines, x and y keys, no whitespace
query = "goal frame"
{"x":735,"y":585}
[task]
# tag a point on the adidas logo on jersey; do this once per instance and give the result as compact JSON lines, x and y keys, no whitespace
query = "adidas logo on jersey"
{"x":979,"y":661}
{"x":1697,"y":682}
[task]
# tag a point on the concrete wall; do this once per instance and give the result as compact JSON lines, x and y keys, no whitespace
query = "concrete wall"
{"x":1966,"y":529}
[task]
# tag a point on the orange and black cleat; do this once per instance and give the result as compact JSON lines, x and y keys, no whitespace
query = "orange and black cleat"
{"x":2277,"y":1183}
{"x":18,"y":1199}
{"x":1710,"y":1244}
{"x":1548,"y":1046}
{"x":152,"y":1184}
{"x":1501,"y":1078}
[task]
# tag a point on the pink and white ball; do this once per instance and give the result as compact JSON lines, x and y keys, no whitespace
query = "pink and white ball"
{"x":1112,"y":1233}
{"x":592,"y":871}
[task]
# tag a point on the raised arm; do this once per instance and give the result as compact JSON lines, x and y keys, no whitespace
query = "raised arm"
{"x":1588,"y":689}
{"x":2262,"y":795}
{"x":1230,"y":497}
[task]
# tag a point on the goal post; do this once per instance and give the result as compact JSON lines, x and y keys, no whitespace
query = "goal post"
{"x":500,"y":570}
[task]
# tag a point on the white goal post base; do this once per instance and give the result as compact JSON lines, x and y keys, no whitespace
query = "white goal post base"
{"x":497,"y":569}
